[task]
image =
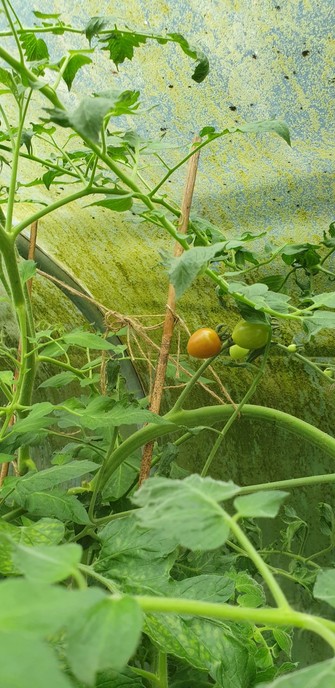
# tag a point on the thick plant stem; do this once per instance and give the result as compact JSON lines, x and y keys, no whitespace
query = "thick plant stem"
{"x":209,"y":415}
{"x":269,"y":617}
{"x":162,"y":669}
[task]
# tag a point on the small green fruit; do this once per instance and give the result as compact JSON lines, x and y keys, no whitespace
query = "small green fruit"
{"x":237,"y":352}
{"x":329,"y":372}
{"x":292,"y":348}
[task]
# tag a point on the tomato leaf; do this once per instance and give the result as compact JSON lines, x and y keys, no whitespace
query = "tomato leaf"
{"x":183,"y":270}
{"x":320,"y":675}
{"x":268,"y":125}
{"x":260,"y":504}
{"x":37,"y":667}
{"x":94,"y":26}
{"x":120,"y":202}
{"x":105,"y":637}
{"x":324,"y":588}
{"x":47,"y":531}
{"x":35,"y":48}
{"x":121,"y":44}
{"x":54,"y":476}
{"x":87,"y":340}
{"x":57,"y":504}
{"x":88,"y":117}
{"x":27,"y":269}
{"x":38,"y":609}
{"x":46,"y":564}
{"x":60,"y":379}
{"x":186,"y":509}
{"x":74,"y":64}
{"x":139,"y":558}
{"x":212,"y":646}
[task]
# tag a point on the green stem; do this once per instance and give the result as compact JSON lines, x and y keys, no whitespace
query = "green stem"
{"x":62,"y":364}
{"x":49,"y":209}
{"x":162,"y":669}
{"x":305,"y":360}
{"x":25,"y":73}
{"x":14,"y":167}
{"x":11,"y":515}
{"x":148,"y":675}
{"x":271,"y":617}
{"x":89,"y":571}
{"x":194,"y":379}
{"x":291,"y":483}
{"x":13,"y":30}
{"x":209,"y":415}
{"x":260,"y":564}
{"x":112,"y":517}
{"x":236,"y":413}
{"x":99,"y":478}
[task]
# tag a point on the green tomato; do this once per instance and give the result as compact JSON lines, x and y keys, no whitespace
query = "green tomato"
{"x":292,"y":348}
{"x":328,"y":372}
{"x":250,"y":335}
{"x":236,"y":352}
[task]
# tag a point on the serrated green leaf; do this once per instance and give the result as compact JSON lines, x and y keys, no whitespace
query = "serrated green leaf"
{"x":284,"y":640}
{"x":102,"y":411}
{"x":139,"y":558}
{"x":27,"y":269}
{"x":54,"y":476}
{"x":186,"y":509}
{"x":320,"y":675}
{"x":119,"y":203}
{"x":120,"y":482}
{"x":37,"y":666}
{"x":87,"y":340}
{"x":327,"y":299}
{"x":47,"y":531}
{"x":94,"y":26}
{"x":46,"y":564}
{"x":250,"y":592}
{"x":105,"y":637}
{"x":121,"y":44}
{"x":260,"y":504}
{"x":40,"y":609}
{"x":192,"y":51}
{"x":183,"y":270}
{"x":268,"y":125}
{"x":35,"y":48}
{"x":88,"y":117}
{"x":208,"y":645}
{"x":74,"y":64}
{"x":114,"y":679}
{"x":7,"y":79}
{"x":43,"y":15}
{"x":56,"y":504}
{"x":60,"y":380}
{"x":324,"y":588}
{"x":261,"y":296}
{"x":208,"y":588}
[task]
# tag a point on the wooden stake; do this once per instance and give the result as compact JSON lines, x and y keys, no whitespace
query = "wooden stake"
{"x":170,"y":319}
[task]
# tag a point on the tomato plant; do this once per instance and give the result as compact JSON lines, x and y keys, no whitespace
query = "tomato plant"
{"x":251,"y":335}
{"x":204,"y":343}
{"x":88,"y":561}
